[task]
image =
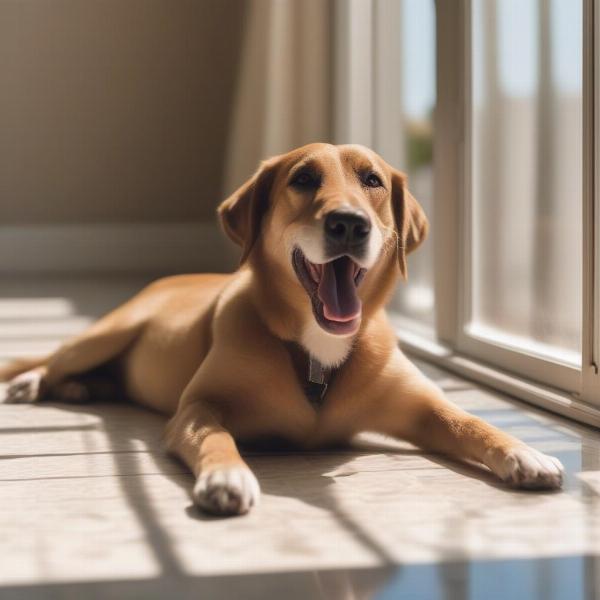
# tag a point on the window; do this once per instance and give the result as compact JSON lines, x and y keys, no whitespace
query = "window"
{"x":492,"y":118}
{"x":525,"y":186}
{"x":405,"y":98}
{"x":526,"y":171}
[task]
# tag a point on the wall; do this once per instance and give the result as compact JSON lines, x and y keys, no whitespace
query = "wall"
{"x":115,"y":111}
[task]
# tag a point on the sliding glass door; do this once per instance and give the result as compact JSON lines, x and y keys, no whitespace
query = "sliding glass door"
{"x":523,"y":187}
{"x":495,"y":119}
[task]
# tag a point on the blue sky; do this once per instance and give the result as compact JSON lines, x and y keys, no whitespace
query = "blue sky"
{"x":517,"y":38}
{"x":418,"y":53}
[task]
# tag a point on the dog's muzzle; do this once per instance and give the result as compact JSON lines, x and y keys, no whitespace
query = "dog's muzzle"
{"x":333,"y":290}
{"x":332,"y":282}
{"x":347,"y":231}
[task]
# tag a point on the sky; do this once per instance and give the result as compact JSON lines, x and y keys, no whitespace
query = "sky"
{"x":418,"y":54}
{"x":517,"y":26}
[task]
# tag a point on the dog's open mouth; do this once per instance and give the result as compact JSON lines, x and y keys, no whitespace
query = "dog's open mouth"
{"x":332,"y":288}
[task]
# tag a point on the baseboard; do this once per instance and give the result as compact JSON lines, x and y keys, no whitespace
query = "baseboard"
{"x":136,"y":247}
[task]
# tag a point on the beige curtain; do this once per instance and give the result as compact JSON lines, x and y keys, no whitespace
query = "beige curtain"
{"x":283,"y":92}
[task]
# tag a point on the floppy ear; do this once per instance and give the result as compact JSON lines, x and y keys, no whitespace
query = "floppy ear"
{"x":241,"y":214}
{"x":411,"y":223}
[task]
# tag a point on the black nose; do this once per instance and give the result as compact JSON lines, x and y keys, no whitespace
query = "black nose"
{"x":347,"y":226}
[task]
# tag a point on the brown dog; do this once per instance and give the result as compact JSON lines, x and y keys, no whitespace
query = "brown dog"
{"x":295,"y":345}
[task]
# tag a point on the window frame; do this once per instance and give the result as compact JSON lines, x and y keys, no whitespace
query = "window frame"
{"x":470,"y":339}
{"x":590,"y":391}
{"x":541,"y":380}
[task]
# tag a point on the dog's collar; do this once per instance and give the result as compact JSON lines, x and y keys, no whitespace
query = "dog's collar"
{"x":318,"y":381}
{"x":313,"y":376}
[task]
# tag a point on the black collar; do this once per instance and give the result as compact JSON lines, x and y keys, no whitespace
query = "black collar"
{"x":316,"y":386}
{"x":313,"y":376}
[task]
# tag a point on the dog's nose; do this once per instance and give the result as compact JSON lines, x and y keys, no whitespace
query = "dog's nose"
{"x":348,"y":226}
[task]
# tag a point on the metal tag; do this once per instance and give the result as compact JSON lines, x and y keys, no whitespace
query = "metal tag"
{"x":316,"y":371}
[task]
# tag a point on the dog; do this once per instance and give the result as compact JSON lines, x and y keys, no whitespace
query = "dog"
{"x":294,"y":346}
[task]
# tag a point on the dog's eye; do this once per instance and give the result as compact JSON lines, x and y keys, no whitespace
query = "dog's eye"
{"x":372,"y":180}
{"x":305,"y":179}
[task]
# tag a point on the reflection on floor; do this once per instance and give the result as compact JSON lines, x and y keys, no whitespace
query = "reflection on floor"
{"x":559,"y":578}
{"x":90,"y":504}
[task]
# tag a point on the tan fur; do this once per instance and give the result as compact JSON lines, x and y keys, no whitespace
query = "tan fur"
{"x":212,"y":352}
{"x":12,"y":369}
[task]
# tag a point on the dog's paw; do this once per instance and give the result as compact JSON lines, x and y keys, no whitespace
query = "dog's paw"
{"x":527,"y":468}
{"x":26,"y":388}
{"x":227,"y":491}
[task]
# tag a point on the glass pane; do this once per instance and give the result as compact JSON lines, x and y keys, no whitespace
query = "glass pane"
{"x":527,"y":173}
{"x":408,"y":75}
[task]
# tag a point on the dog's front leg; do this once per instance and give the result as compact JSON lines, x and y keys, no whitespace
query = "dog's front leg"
{"x":224,"y":483}
{"x":411,"y":407}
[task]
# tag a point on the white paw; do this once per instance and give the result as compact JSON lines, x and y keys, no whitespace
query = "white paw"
{"x":527,"y":468}
{"x":25,"y":388}
{"x":230,"y":491}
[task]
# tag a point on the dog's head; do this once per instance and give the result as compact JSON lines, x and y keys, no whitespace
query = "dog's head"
{"x":335,"y":220}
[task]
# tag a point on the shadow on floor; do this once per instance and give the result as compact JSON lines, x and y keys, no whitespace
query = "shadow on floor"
{"x":316,"y":489}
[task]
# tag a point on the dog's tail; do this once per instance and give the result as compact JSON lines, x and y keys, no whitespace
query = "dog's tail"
{"x":20,"y":365}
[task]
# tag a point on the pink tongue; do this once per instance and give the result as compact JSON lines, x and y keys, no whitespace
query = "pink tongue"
{"x":337,"y":291}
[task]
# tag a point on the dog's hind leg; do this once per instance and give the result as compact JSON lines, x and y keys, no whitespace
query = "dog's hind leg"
{"x":99,"y":385}
{"x":101,"y":343}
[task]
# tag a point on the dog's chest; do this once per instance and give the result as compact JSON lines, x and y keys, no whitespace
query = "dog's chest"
{"x":312,"y":416}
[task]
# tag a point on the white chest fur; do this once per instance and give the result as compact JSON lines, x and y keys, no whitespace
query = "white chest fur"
{"x":329,"y":350}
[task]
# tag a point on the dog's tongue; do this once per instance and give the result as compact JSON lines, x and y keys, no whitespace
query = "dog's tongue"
{"x":337,"y":291}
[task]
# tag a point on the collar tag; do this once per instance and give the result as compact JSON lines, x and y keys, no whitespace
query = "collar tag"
{"x":318,"y":380}
{"x":316,"y":371}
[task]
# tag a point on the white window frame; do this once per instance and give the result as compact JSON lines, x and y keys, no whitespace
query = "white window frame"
{"x":591,"y":210}
{"x":360,"y":56}
{"x":527,"y":359}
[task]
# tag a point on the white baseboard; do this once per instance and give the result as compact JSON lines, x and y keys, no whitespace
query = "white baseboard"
{"x":136,"y":247}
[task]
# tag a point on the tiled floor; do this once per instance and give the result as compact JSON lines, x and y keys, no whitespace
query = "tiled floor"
{"x":90,"y":506}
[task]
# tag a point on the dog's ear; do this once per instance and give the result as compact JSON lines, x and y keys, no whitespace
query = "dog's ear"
{"x":241,"y":214}
{"x":410,"y":220}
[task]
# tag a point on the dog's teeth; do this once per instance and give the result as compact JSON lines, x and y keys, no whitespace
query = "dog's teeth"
{"x":318,"y":272}
{"x":314,"y":271}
